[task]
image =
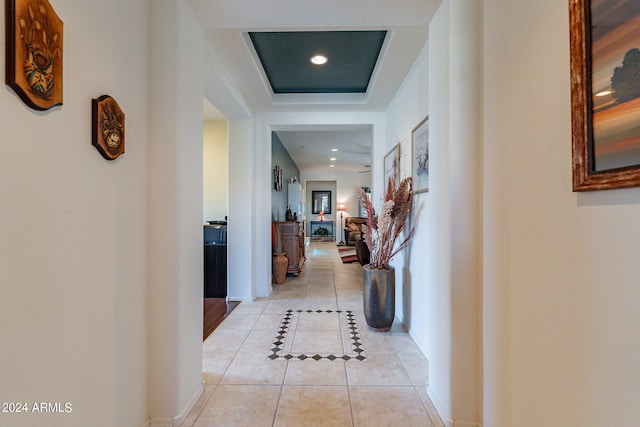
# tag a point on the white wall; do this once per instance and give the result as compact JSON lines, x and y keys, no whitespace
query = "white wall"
{"x":408,"y":108}
{"x":561,"y":269}
{"x":559,"y":290}
{"x":175,"y":220}
{"x":73,"y":235}
{"x":215,"y":170}
{"x":438,"y":299}
{"x":244,"y":275}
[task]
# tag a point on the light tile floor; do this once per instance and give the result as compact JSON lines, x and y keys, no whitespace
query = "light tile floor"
{"x":244,"y":387}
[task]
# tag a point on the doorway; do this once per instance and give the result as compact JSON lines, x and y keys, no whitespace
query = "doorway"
{"x":215,"y":214}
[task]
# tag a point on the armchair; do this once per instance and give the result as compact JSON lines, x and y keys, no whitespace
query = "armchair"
{"x":352,"y":228}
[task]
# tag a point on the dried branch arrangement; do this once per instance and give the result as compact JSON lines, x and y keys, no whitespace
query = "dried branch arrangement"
{"x":382,"y":231}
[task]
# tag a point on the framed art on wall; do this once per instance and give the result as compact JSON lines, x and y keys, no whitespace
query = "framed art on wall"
{"x":420,"y":156}
{"x":392,"y":166}
{"x":107,"y":127}
{"x":277,"y":178}
{"x":321,"y":202}
{"x":605,"y":93}
{"x":34,"y":52}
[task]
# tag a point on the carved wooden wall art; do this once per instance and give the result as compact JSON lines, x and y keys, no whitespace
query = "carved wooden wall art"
{"x":34,"y":52}
{"x":107,"y":127}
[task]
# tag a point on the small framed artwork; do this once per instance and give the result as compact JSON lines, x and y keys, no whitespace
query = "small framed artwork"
{"x":321,"y":202}
{"x":107,"y":127}
{"x":277,"y":178}
{"x":420,"y":156}
{"x":392,"y":167}
{"x":605,"y":93}
{"x":34,"y":52}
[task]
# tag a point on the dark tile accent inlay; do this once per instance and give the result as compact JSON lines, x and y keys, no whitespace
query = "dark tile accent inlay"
{"x":357,"y":350}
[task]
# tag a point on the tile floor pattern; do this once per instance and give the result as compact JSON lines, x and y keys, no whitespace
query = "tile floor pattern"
{"x":340,"y":334}
{"x":244,"y":387}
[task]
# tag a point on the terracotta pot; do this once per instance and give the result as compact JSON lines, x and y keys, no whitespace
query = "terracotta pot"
{"x":379,"y":297}
{"x":279,"y":267}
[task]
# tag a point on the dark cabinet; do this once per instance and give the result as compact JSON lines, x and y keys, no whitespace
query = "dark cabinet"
{"x":215,"y":271}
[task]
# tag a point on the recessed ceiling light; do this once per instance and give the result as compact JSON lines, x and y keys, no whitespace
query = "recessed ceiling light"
{"x":319,"y":59}
{"x":334,"y":149}
{"x":332,"y":166}
{"x":333,"y":159}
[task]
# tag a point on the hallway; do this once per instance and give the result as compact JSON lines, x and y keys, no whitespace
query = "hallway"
{"x":304,"y":357}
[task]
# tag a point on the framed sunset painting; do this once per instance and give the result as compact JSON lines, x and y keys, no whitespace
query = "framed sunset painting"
{"x":605,"y":93}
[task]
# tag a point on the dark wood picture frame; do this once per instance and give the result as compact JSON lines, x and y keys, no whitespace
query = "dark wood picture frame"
{"x":320,"y":201}
{"x":587,"y":97}
{"x":420,"y":156}
{"x":107,"y":127}
{"x":34,"y":52}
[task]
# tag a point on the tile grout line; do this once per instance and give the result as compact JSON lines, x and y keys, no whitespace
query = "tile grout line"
{"x":346,"y":371}
{"x":275,"y":413}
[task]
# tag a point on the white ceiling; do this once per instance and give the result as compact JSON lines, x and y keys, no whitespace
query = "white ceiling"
{"x":226,"y":23}
{"x":312,"y":149}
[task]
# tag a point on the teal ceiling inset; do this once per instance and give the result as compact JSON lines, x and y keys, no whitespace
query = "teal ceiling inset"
{"x":285,"y":57}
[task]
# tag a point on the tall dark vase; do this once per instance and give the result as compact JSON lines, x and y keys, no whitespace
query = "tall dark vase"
{"x":379,"y":297}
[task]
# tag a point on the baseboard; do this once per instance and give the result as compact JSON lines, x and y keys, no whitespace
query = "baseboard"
{"x":414,"y":338}
{"x":448,"y":422}
{"x":159,"y":422}
{"x":240,"y":299}
{"x":178,"y":419}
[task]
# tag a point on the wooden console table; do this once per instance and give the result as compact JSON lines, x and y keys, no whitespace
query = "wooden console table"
{"x":328,"y":225}
{"x":292,"y":235}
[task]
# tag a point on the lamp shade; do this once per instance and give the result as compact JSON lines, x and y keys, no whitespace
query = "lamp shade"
{"x":341,"y":207}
